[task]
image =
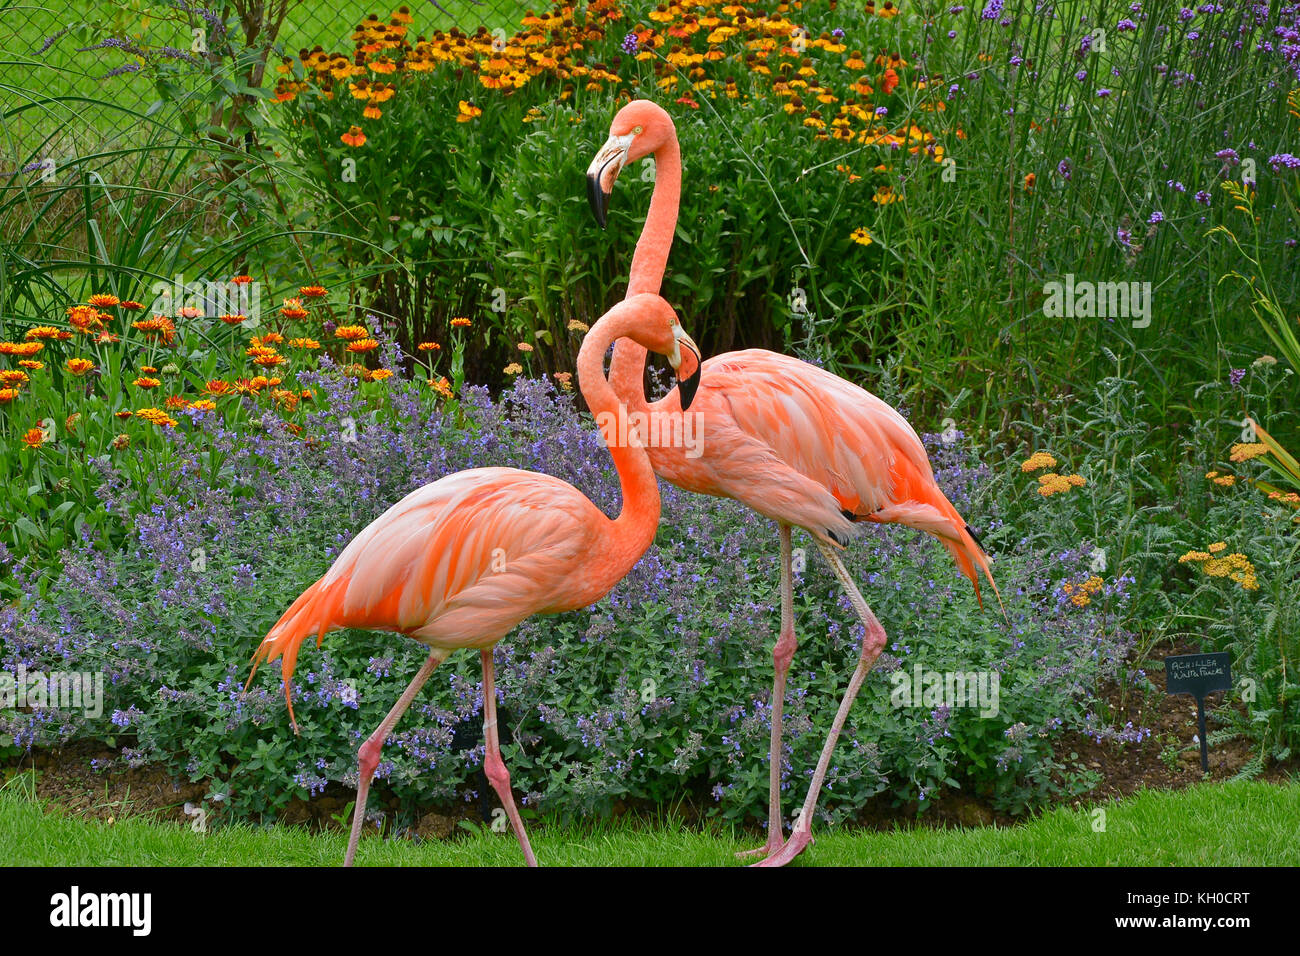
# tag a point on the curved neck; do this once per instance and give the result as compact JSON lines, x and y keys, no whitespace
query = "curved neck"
{"x":627,"y":370}
{"x":634,"y":528}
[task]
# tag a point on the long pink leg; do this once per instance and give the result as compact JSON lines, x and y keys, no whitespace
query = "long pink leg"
{"x":873,"y":642}
{"x":782,"y":654}
{"x":368,"y":755}
{"x":493,"y":765}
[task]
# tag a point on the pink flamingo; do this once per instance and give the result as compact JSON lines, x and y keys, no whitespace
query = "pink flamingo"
{"x":461,"y":561}
{"x":790,"y":440}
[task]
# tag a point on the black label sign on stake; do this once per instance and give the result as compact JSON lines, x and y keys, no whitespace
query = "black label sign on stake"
{"x":1198,"y":675}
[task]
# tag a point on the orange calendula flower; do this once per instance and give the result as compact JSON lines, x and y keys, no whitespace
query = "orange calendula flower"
{"x":292,"y":309}
{"x":131,"y":305}
{"x":25,"y":349}
{"x":429,"y":347}
{"x":1030,"y":179}
{"x":13,"y":376}
{"x":354,"y":137}
{"x":146,"y":382}
{"x":175,"y":403}
{"x":441,"y":386}
{"x":31,"y":365}
{"x":242,"y":280}
{"x":148,"y":369}
{"x":461,"y":322}
{"x":233,"y":318}
{"x":156,"y":416}
{"x":124,"y":414}
{"x":203,"y":405}
{"x":362,"y":345}
{"x":313,"y":291}
{"x":890,"y":81}
{"x":351,"y":332}
{"x":34,"y":438}
{"x":46,"y":332}
{"x":7,"y":395}
{"x":217,"y":387}
{"x":380,"y":374}
{"x":104,"y":300}
{"x":303,"y":344}
{"x":158,"y":327}
{"x":78,"y":366}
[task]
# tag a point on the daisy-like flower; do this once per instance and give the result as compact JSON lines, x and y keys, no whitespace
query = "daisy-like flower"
{"x":1030,"y":180}
{"x":31,"y":365}
{"x":13,"y":377}
{"x":313,"y":291}
{"x":242,"y":280}
{"x":120,"y":442}
{"x":303,"y":344}
{"x":78,"y":366}
{"x":233,"y":318}
{"x":25,"y":349}
{"x":104,"y":300}
{"x":441,"y":386}
{"x":354,"y":137}
{"x":156,"y":416}
{"x":351,"y":332}
{"x":217,"y":387}
{"x":461,"y":322}
{"x":7,"y":395}
{"x":159,"y":327}
{"x":292,"y":309}
{"x":34,"y":438}
{"x":429,"y":347}
{"x":467,"y":111}
{"x":145,"y":382}
{"x":125,"y":413}
{"x":203,"y":405}
{"x":190,"y":312}
{"x":131,"y":305}
{"x":380,"y":374}
{"x":46,"y":332}
{"x":861,"y":236}
{"x":362,"y":345}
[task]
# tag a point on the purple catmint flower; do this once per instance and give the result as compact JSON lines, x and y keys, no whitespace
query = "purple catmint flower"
{"x":1063,"y":168}
{"x":630,"y":44}
{"x":1280,"y":161}
{"x":1235,"y":377}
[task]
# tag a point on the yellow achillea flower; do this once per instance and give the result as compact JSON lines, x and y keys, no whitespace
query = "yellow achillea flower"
{"x":576,"y":326}
{"x":351,"y":332}
{"x":514,"y":368}
{"x":1245,"y":451}
{"x":1052,"y":483}
{"x":861,"y":236}
{"x":1039,"y":459}
{"x":565,"y":379}
{"x":1236,"y":567}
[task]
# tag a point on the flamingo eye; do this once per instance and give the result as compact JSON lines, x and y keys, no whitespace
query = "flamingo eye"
{"x":636,"y":130}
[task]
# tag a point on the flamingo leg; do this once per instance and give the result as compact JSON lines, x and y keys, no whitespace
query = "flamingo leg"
{"x":782,"y":654}
{"x":873,"y":642}
{"x":368,"y":755}
{"x":493,"y":765}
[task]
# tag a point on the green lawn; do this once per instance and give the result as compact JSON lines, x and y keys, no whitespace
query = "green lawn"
{"x":1232,"y":824}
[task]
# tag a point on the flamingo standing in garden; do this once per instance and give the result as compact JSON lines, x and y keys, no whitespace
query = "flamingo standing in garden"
{"x":461,"y":561}
{"x":786,"y":438}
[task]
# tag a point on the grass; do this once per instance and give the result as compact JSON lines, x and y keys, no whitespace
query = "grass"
{"x":1231,"y":824}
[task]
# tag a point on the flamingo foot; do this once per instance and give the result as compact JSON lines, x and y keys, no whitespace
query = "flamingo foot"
{"x":799,"y":840}
{"x":774,"y":843}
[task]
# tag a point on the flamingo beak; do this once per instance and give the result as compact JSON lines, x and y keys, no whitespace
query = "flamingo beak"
{"x":687,"y":386}
{"x":602,"y":173}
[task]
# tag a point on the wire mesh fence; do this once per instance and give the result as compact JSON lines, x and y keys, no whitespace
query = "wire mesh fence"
{"x":102,"y":62}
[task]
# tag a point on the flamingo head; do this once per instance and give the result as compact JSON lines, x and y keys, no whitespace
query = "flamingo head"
{"x":659,"y":330}
{"x":639,"y":129}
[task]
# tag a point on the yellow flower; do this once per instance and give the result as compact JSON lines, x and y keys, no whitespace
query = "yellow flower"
{"x":379,"y":374}
{"x":467,"y":111}
{"x":461,"y":322}
{"x":861,"y":236}
{"x":1052,"y":483}
{"x":514,"y":368}
{"x":351,"y":332}
{"x":34,"y":438}
{"x":565,"y":379}
{"x":146,"y":382}
{"x":576,"y":326}
{"x":441,"y":386}
{"x":1039,"y":459}
{"x":78,"y":366}
{"x":1217,"y":547}
{"x":303,"y":344}
{"x":1245,"y":451}
{"x":524,"y":347}
{"x":156,"y":416}
{"x":363,"y":345}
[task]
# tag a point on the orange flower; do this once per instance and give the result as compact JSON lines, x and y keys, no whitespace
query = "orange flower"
{"x":78,"y":366}
{"x":34,"y":438}
{"x":242,"y":280}
{"x":156,"y":416}
{"x":292,"y":309}
{"x":158,"y":327}
{"x":461,"y":321}
{"x":7,"y":395}
{"x":313,"y":291}
{"x":25,"y":349}
{"x":31,"y":365}
{"x":104,"y":301}
{"x":429,"y":347}
{"x":363,"y":345}
{"x":217,"y":387}
{"x":131,"y":305}
{"x":144,"y":382}
{"x":13,"y":376}
{"x":1030,"y":179}
{"x":354,"y":137}
{"x":46,"y":332}
{"x":351,"y":332}
{"x":303,"y":344}
{"x":467,"y":111}
{"x":190,"y":312}
{"x":232,"y":318}
{"x":890,"y":80}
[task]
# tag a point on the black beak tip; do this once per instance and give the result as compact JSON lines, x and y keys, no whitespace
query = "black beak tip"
{"x":598,"y":199}
{"x":688,"y":386}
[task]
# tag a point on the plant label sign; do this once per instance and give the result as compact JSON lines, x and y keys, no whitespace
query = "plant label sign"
{"x":1198,"y":675}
